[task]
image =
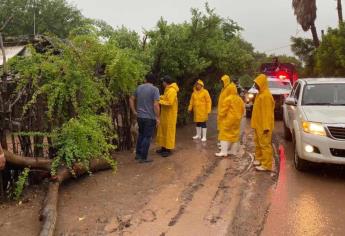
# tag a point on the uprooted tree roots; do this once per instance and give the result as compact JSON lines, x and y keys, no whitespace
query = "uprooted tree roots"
{"x":48,"y":213}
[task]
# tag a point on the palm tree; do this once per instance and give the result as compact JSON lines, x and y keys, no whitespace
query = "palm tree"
{"x":340,"y":11}
{"x":305,"y":11}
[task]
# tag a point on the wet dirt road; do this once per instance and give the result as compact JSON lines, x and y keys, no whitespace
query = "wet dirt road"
{"x":191,"y":193}
{"x":309,"y":203}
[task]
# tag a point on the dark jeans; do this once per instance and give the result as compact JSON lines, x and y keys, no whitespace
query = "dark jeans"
{"x":201,"y":124}
{"x":146,"y":130}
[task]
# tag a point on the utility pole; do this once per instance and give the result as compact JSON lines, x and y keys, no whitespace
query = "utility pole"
{"x":34,"y":7}
{"x":340,"y":12}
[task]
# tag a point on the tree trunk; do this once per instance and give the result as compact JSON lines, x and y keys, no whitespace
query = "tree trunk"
{"x":32,"y":162}
{"x":315,"y":35}
{"x":3,"y":88}
{"x":49,"y":211}
{"x":340,"y":12}
{"x":4,"y":65}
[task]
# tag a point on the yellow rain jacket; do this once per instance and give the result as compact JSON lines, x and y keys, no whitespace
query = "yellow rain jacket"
{"x":200,"y":103}
{"x":227,"y":87}
{"x":231,"y":112}
{"x":263,"y":119}
{"x":169,"y":106}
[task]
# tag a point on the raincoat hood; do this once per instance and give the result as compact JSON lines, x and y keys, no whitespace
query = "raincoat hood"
{"x":200,"y":82}
{"x":233,"y":90}
{"x":174,"y":86}
{"x":262,"y":82}
{"x":226,"y":80}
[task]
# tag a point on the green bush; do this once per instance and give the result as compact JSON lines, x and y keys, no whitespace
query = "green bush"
{"x":20,"y":184}
{"x":330,"y":56}
{"x":82,"y":139}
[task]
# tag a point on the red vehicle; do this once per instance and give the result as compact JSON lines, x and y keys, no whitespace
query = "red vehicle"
{"x":280,"y":70}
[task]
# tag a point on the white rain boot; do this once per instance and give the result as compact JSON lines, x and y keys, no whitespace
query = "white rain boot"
{"x":198,"y":133}
{"x":257,"y":163}
{"x":261,"y":168}
{"x":204,"y":135}
{"x":234,"y":149}
{"x":223,"y":150}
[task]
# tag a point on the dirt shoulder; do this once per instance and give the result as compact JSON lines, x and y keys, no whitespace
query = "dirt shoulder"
{"x":190,"y":193}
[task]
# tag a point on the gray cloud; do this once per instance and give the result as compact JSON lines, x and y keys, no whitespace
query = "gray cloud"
{"x":268,"y":24}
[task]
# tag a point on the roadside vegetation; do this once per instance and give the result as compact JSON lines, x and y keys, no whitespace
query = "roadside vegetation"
{"x":321,"y":57}
{"x":66,"y":102}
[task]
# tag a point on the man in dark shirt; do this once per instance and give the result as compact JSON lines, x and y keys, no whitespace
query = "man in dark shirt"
{"x":144,"y":104}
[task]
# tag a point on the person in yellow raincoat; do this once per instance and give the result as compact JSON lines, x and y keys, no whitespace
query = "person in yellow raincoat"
{"x":200,"y":104}
{"x":227,"y":84}
{"x":230,"y":114}
{"x":166,"y":131}
{"x":263,"y":124}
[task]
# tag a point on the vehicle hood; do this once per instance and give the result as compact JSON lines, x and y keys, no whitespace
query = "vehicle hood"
{"x":325,"y":114}
{"x":277,"y":91}
{"x":274,"y":91}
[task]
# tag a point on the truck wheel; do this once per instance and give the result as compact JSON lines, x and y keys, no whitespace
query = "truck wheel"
{"x":287,"y":133}
{"x":300,"y":164}
{"x":248,"y":114}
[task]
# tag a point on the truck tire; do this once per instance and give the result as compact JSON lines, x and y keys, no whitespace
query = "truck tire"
{"x":300,"y":164}
{"x":287,"y":133}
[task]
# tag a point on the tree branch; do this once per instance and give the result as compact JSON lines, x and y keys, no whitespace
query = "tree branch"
{"x":49,"y":211}
{"x":3,"y":56}
{"x":35,"y":163}
{"x":19,"y":95}
{"x":6,"y":23}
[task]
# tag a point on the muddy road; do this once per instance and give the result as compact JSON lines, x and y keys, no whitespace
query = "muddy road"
{"x":191,"y":193}
{"x":308,"y":203}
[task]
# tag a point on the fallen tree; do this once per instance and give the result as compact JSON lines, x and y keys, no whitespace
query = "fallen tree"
{"x":64,"y":110}
{"x":49,"y":211}
{"x":31,"y":162}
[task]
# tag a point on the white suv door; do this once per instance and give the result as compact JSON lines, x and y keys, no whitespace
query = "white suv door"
{"x":290,"y":111}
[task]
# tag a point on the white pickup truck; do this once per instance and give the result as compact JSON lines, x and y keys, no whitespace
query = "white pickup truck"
{"x":314,"y":119}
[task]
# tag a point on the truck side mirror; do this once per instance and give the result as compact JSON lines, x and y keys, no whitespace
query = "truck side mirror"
{"x":291,"y":101}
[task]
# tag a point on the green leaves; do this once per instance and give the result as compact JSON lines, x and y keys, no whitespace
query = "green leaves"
{"x":328,"y":59}
{"x":83,"y":139}
{"x":51,"y":16}
{"x":20,"y":184}
{"x":207,"y":41}
{"x":246,"y":81}
{"x":330,"y":56}
{"x":76,"y":81}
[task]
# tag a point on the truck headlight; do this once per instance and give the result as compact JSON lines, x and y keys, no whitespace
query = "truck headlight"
{"x":314,"y":128}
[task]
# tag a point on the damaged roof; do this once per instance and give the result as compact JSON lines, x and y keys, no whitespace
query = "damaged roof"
{"x":11,"y":52}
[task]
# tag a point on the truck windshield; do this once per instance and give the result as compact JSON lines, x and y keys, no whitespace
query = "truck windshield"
{"x":280,"y":84}
{"x":324,"y":95}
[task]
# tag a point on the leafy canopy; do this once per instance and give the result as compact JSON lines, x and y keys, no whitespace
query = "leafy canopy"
{"x":79,"y":79}
{"x":330,"y":56}
{"x":50,"y":16}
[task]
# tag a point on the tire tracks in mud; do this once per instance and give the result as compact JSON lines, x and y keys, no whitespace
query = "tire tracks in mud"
{"x":223,"y":193}
{"x":188,"y":194}
{"x":253,"y":209}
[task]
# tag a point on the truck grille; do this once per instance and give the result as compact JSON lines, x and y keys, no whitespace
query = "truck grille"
{"x":338,"y":152}
{"x":337,"y":132}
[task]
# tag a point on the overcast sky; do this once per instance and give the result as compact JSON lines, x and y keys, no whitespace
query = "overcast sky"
{"x":268,"y":24}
